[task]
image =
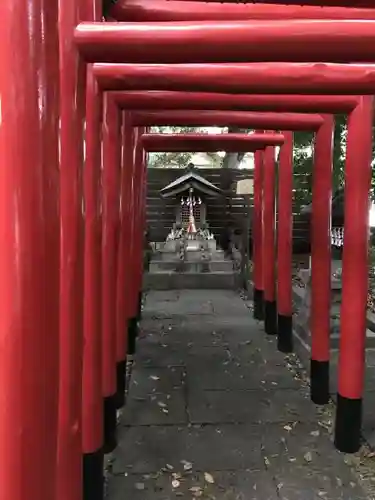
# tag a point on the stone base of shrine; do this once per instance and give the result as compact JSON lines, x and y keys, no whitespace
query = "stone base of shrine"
{"x":191,"y":255}
{"x":157,"y":266}
{"x":179,"y":281}
{"x":301,"y":315}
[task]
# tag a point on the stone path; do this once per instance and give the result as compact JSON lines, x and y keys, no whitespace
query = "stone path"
{"x":215,"y":412}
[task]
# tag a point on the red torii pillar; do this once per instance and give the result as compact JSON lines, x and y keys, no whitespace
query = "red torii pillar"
{"x":136,"y":247}
{"x":141,"y":156}
{"x":125,"y":256}
{"x":269,"y":240}
{"x":110,"y":221}
{"x":29,"y":225}
{"x":320,"y":310}
{"x":354,"y":278}
{"x":92,"y":394}
{"x":285,"y":247}
{"x":92,"y":398}
{"x":72,"y":103}
{"x":121,"y":318}
{"x":258,"y":291}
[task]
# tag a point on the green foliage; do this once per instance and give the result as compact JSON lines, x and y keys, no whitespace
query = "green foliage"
{"x":165,"y":160}
{"x":303,"y":166}
{"x":177,"y":160}
{"x":303,"y":159}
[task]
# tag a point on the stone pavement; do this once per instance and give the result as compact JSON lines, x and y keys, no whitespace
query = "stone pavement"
{"x":215,"y":412}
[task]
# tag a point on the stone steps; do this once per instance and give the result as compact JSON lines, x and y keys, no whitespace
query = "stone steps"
{"x":301,"y":298}
{"x":202,"y":266}
{"x":179,"y":281}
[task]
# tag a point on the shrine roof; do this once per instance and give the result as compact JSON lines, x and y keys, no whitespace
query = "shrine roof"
{"x":190,"y":180}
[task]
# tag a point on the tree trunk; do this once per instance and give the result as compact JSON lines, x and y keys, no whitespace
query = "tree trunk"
{"x":232,"y":160}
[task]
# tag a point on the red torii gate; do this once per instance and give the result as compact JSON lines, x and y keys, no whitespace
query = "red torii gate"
{"x":231,"y":143}
{"x":329,"y":3}
{"x":164,"y":100}
{"x":163,"y":72}
{"x":286,"y":121}
{"x":239,"y":78}
{"x":120,"y":84}
{"x":34,"y":183}
{"x":299,"y":40}
{"x":128,"y":69}
{"x":176,"y":10}
{"x":264,"y":286}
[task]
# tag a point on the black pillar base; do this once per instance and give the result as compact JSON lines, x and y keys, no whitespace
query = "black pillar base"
{"x":93,"y":478}
{"x":132,"y":335}
{"x":120,"y":383}
{"x":348,"y":424}
{"x":258,"y":304}
{"x":140,"y":300}
{"x":319,"y":382}
{"x":270,"y":317}
{"x":284,"y":333}
{"x":110,"y":424}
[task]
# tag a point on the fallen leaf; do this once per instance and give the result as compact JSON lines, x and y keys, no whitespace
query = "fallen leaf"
{"x":194,"y":489}
{"x":315,"y":433}
{"x":208,"y":478}
{"x":175,"y":483}
{"x":154,"y":377}
{"x":287,"y":428}
{"x":308,"y":456}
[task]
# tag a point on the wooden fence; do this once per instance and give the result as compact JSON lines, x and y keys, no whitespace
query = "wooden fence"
{"x":225,"y":209}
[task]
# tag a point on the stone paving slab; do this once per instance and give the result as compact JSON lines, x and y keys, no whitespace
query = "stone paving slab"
{"x":147,"y":380}
{"x":209,"y":448}
{"x":157,"y":409}
{"x":235,"y":376}
{"x":215,"y":412}
{"x":239,"y":485}
{"x":284,"y":406}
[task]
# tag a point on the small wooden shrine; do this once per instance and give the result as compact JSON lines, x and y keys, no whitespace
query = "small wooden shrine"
{"x":190,"y":191}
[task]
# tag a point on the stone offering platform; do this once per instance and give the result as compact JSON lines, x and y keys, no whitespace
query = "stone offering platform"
{"x":195,"y":269}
